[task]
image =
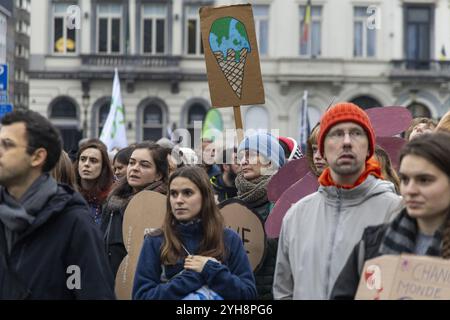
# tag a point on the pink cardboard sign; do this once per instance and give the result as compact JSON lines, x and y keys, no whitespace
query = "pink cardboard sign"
{"x":289,"y":174}
{"x":389,"y":121}
{"x":307,"y":185}
{"x":393,"y":146}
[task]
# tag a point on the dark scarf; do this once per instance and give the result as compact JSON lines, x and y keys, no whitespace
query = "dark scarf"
{"x":157,"y":186}
{"x":18,"y":215}
{"x":400,"y":237}
{"x":93,"y":197}
{"x":254,"y":192}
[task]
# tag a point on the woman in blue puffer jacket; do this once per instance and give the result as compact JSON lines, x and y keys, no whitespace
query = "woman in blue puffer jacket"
{"x":193,"y":254}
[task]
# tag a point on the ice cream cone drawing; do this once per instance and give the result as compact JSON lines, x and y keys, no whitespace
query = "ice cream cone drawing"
{"x":229,"y":42}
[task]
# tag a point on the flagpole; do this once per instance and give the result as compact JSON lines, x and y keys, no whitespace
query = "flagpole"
{"x":238,"y":123}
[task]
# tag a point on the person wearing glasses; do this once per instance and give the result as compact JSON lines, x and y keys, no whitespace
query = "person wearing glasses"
{"x":319,"y":232}
{"x":49,"y":246}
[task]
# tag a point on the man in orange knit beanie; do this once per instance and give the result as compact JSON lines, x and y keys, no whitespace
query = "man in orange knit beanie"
{"x":319,"y":232}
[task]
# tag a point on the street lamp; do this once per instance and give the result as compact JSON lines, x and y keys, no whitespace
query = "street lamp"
{"x":85,"y":109}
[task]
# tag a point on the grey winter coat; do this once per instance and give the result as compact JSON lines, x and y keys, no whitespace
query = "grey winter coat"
{"x":319,"y":232}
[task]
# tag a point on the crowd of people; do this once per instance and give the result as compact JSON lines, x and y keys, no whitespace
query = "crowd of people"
{"x":62,"y":217}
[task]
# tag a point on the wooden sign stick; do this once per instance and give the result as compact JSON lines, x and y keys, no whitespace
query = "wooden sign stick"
{"x":238,"y":123}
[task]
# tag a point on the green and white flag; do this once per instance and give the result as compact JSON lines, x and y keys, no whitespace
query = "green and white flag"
{"x":114,"y":133}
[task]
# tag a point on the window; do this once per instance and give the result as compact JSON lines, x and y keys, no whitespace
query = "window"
{"x":153,"y":123}
{"x":109,"y":26}
{"x":63,"y":109}
{"x":63,"y":114}
{"x":194,"y":44}
{"x":154,"y":26}
{"x":23,"y":4}
{"x":196,"y":112}
{"x":22,"y":27}
{"x":261,"y":16}
{"x":3,"y":27}
{"x":103,"y":112}
{"x":419,"y":110}
{"x":366,"y":102}
{"x":364,"y":39}
{"x":310,"y":44}
{"x":419,"y":25}
{"x":64,"y":39}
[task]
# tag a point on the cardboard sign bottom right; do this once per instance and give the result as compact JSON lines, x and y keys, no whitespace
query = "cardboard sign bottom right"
{"x":405,"y":277}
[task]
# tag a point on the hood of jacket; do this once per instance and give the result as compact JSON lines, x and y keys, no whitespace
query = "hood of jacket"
{"x":64,"y":197}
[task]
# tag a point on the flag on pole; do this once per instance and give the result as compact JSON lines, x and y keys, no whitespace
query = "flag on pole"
{"x":114,"y":134}
{"x":306,"y":22}
{"x":212,"y":125}
{"x":304,"y":122}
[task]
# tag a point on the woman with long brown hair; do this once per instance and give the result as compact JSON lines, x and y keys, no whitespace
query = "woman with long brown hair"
{"x":423,"y":226}
{"x":93,"y":175}
{"x":147,"y":169}
{"x":193,"y":250}
{"x":63,"y":171}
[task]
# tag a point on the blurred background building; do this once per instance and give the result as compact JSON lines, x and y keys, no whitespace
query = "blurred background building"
{"x":15,"y":48}
{"x":394,"y":55}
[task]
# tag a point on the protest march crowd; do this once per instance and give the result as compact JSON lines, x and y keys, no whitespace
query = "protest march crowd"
{"x":61,"y":218}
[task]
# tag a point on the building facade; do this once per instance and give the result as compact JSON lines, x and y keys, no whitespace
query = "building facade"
{"x":21,"y":17}
{"x":374,"y":53}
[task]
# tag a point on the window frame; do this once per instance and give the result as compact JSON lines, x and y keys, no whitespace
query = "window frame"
{"x":63,"y":17}
{"x":258,"y":19}
{"x":161,"y":125}
{"x":196,"y":17}
{"x":109,"y":17}
{"x":365,"y":34}
{"x":313,"y":19}
{"x":154,"y":18}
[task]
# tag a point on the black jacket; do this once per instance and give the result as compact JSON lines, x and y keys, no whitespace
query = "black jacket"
{"x":111,"y":226}
{"x":44,"y":259}
{"x":347,"y":283}
{"x":264,"y":275}
{"x":223,"y":191}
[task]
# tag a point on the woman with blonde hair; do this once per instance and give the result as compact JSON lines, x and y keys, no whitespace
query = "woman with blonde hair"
{"x":316,"y":163}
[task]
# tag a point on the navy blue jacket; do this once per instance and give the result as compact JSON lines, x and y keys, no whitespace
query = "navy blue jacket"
{"x":62,"y":235}
{"x":233,"y":279}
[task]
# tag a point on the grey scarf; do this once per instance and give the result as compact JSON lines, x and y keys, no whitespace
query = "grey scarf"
{"x":400,"y":237}
{"x":18,"y":215}
{"x":254,"y":192}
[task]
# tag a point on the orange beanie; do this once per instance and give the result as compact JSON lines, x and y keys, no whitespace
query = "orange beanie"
{"x":346,"y":112}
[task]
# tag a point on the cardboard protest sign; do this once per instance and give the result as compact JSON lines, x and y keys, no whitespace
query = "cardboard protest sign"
{"x":248,"y":226}
{"x":145,"y":211}
{"x":231,"y":55}
{"x":392,"y":145}
{"x":405,"y":277}
{"x":305,"y":186}
{"x":389,"y":121}
{"x":289,"y":174}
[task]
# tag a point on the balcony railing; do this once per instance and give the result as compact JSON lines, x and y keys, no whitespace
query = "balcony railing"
{"x":431,"y":65}
{"x":130,"y":61}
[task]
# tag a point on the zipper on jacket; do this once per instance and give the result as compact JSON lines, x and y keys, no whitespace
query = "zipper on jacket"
{"x":333,"y":240}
